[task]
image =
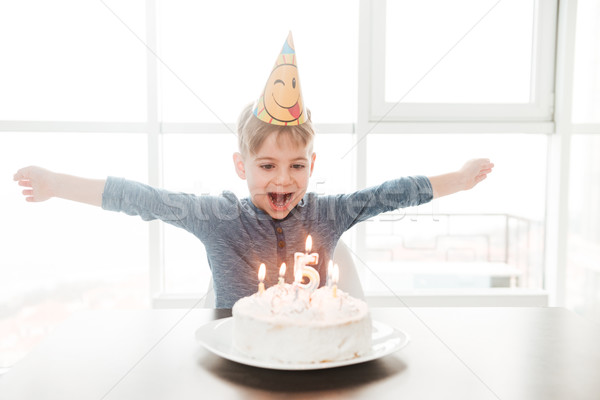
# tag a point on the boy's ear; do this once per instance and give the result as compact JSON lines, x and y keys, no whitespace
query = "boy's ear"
{"x":312,"y":163}
{"x":240,"y":168}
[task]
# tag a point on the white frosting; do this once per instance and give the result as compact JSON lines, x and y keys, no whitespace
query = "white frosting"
{"x":292,"y":325}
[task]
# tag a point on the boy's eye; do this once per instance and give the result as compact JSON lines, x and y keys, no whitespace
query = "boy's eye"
{"x":298,"y":166}
{"x":267,"y":166}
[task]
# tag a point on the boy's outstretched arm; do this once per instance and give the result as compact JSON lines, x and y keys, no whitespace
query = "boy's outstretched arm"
{"x":42,"y":184}
{"x":473,"y":172}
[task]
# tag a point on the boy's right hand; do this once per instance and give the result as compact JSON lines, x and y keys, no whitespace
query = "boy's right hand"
{"x":38,"y":181}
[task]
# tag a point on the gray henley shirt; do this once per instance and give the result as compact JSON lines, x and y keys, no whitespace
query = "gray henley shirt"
{"x":238,"y":236}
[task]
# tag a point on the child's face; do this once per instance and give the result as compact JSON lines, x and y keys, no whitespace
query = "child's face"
{"x":277,"y":174}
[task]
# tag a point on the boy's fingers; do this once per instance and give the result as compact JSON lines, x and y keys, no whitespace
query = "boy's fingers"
{"x":18,"y":174}
{"x":25,"y":183}
{"x":28,"y":192}
{"x":23,"y":173}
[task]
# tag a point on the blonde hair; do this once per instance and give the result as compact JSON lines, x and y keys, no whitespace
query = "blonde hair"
{"x":252,"y":132}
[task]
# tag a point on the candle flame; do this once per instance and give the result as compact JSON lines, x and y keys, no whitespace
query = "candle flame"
{"x":262,"y":271}
{"x":329,"y":272}
{"x":282,"y":269}
{"x":308,"y":244}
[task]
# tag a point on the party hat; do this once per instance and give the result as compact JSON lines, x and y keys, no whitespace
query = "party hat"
{"x":281,"y":102}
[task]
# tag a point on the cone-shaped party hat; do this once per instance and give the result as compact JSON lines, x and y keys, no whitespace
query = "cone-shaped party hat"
{"x":281,"y":102}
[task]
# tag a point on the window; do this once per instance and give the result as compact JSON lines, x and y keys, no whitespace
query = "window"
{"x":448,"y":82}
{"x":59,"y":257}
{"x":583,"y":252}
{"x":583,"y":274}
{"x":72,"y":61}
{"x":219,"y":55}
{"x":450,"y":242}
{"x":586,"y":77}
{"x":518,"y":181}
{"x":456,"y":61}
{"x":73,"y":99}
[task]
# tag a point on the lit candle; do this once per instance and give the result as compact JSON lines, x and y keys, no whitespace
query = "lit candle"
{"x":262,"y":271}
{"x":282,"y":273}
{"x":301,"y":260}
{"x":335,"y":275}
{"x":313,"y":258}
{"x":329,"y":273}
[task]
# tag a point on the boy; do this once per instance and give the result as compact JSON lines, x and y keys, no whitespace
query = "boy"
{"x":276,"y":159}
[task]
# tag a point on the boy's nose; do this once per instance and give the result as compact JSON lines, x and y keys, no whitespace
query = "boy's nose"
{"x":283,"y":177}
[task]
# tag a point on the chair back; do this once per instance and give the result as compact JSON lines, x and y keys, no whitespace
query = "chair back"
{"x":349,"y":281}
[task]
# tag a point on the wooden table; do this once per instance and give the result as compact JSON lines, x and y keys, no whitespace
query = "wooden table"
{"x":454,"y":353}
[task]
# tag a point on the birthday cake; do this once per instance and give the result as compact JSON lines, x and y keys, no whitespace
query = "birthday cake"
{"x":292,"y":324}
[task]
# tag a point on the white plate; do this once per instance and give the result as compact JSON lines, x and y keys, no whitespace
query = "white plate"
{"x":217,"y":337}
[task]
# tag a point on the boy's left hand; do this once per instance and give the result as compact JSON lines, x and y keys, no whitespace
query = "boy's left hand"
{"x":474,"y":171}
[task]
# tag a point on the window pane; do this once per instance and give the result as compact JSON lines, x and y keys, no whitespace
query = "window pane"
{"x":202,"y":164}
{"x":491,"y":64}
{"x":221,"y":53}
{"x":583,"y":272}
{"x":334,"y":168}
{"x":586,"y":79}
{"x":497,"y":225}
{"x":59,"y":256}
{"x":72,"y":60}
{"x":516,"y":186}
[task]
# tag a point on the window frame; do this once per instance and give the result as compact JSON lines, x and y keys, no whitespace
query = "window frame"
{"x":540,"y":109}
{"x":559,"y":127}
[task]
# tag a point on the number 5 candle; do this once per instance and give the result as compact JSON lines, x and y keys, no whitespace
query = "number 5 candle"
{"x":301,"y":268}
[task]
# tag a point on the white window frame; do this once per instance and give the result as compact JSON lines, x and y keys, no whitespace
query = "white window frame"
{"x":559,"y":128}
{"x":540,"y":109}
{"x":364,"y":125}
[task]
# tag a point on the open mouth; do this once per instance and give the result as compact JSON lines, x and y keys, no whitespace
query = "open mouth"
{"x":280,"y":201}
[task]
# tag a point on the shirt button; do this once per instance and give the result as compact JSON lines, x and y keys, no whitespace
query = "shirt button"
{"x":281,"y":244}
{"x":279,"y":230}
